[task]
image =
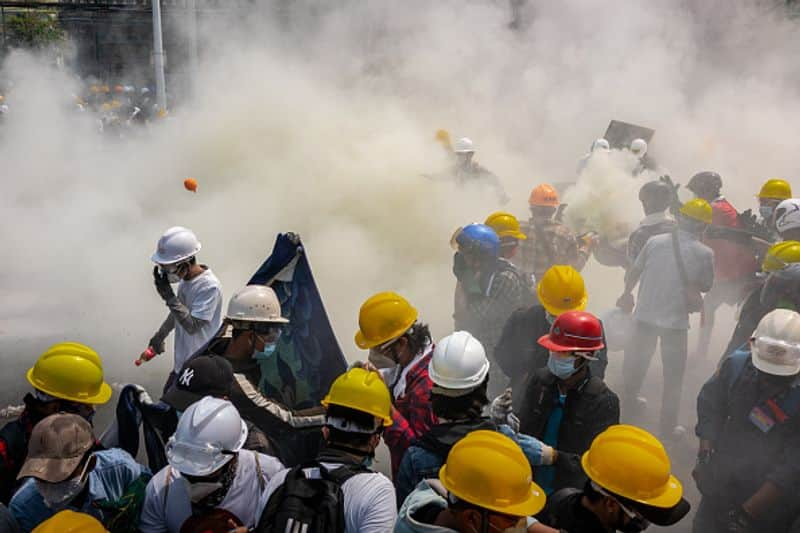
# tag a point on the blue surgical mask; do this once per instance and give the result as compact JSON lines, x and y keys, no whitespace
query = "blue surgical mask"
{"x":766,"y":211}
{"x":268,"y":352}
{"x":561,"y":367}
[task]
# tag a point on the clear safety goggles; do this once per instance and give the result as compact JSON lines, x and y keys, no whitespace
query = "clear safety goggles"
{"x":633,"y":515}
{"x":196,"y":458}
{"x":776,"y":352}
{"x":381,"y":349}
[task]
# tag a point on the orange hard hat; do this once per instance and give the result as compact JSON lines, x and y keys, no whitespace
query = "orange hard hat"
{"x":190,"y":184}
{"x":544,"y":195}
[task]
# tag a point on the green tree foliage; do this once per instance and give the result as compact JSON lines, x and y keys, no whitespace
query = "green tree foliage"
{"x":33,"y":29}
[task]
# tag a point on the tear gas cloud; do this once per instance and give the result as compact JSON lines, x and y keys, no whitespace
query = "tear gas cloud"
{"x":320,"y":119}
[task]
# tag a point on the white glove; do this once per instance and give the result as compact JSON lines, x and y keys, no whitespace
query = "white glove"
{"x":502,"y":411}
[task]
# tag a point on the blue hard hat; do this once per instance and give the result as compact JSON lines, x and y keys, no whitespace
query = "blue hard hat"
{"x":480,"y":239}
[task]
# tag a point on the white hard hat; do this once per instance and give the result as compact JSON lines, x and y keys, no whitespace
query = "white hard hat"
{"x":177,"y":244}
{"x":255,"y":303}
{"x":776,"y":343}
{"x":464,"y":146}
{"x":207,"y":434}
{"x":787,"y":215}
{"x":459,"y":362}
{"x":639,"y":147}
{"x":600,"y":144}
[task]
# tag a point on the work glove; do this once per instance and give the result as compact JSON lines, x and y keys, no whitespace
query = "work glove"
{"x":626,"y":303}
{"x":162,"y":285}
{"x":502,"y":411}
{"x":738,"y":521}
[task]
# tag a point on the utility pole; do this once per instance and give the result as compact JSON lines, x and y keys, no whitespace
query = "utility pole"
{"x":158,"y":57}
{"x":194,"y":62}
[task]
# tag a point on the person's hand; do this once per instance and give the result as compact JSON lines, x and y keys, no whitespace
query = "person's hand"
{"x":626,"y":303}
{"x":738,"y":521}
{"x":157,"y":345}
{"x":236,"y":529}
{"x":702,"y":474}
{"x":502,"y":411}
{"x":162,"y":284}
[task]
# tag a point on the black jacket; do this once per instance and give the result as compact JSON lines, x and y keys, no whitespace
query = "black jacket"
{"x":589,"y":409}
{"x":518,"y":353}
{"x":745,"y":457}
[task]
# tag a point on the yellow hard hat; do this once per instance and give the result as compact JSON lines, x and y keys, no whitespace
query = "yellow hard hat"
{"x":632,"y":463}
{"x":505,"y":225}
{"x":781,"y":254}
{"x":776,"y":189}
{"x":70,"y":371}
{"x":489,"y":470}
{"x":70,"y":522}
{"x":698,"y":209}
{"x":561,"y":289}
{"x":383,"y":317}
{"x":364,"y":391}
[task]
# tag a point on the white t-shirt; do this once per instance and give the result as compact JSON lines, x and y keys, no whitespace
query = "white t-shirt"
{"x":203,"y":297}
{"x":370,"y":504}
{"x":167,"y":505}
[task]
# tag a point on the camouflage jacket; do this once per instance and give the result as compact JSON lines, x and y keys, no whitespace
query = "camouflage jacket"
{"x":548,"y":245}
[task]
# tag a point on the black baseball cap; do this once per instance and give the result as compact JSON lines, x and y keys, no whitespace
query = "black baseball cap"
{"x":206,"y":375}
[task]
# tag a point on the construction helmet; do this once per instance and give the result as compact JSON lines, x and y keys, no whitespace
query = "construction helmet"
{"x":638,"y":147}
{"x":574,"y":331}
{"x":775,"y":189}
{"x":70,"y":371}
{"x":209,"y":433}
{"x":70,"y":522}
{"x":478,"y":239}
{"x":544,"y":195}
{"x":630,"y":462}
{"x":600,"y":144}
{"x":255,"y":303}
{"x":706,"y":180}
{"x":787,"y":215}
{"x":698,"y":209}
{"x":775,"y":345}
{"x":383,"y":317}
{"x":489,"y":470}
{"x":176,"y":245}
{"x":459,"y":363}
{"x":561,"y":289}
{"x":464,"y":146}
{"x":505,"y":225}
{"x":362,"y":390}
{"x":781,"y":254}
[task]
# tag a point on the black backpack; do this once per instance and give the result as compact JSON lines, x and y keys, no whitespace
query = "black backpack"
{"x":309,"y":505}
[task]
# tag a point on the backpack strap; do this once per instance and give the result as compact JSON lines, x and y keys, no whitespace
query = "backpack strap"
{"x":737,"y":361}
{"x":343,"y":473}
{"x":261,"y":483}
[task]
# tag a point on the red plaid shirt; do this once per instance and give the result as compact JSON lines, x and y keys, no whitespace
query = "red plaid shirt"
{"x":412,"y":413}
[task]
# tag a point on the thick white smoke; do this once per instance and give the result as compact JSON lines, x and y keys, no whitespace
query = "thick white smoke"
{"x":319,"y":117}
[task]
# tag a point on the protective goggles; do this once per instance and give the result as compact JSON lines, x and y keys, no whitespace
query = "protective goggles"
{"x":633,"y":515}
{"x":776,"y":352}
{"x":195,"y":458}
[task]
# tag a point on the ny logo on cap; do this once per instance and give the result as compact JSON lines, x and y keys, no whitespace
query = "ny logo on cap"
{"x":186,"y":377}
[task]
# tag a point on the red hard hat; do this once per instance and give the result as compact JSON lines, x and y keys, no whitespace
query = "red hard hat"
{"x":574,"y":331}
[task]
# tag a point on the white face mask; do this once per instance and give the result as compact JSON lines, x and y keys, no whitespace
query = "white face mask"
{"x":198,"y":491}
{"x":380,"y":359}
{"x":57,"y":496}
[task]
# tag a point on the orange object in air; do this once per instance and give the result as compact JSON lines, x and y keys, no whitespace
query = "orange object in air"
{"x":544,"y":195}
{"x":190,"y":184}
